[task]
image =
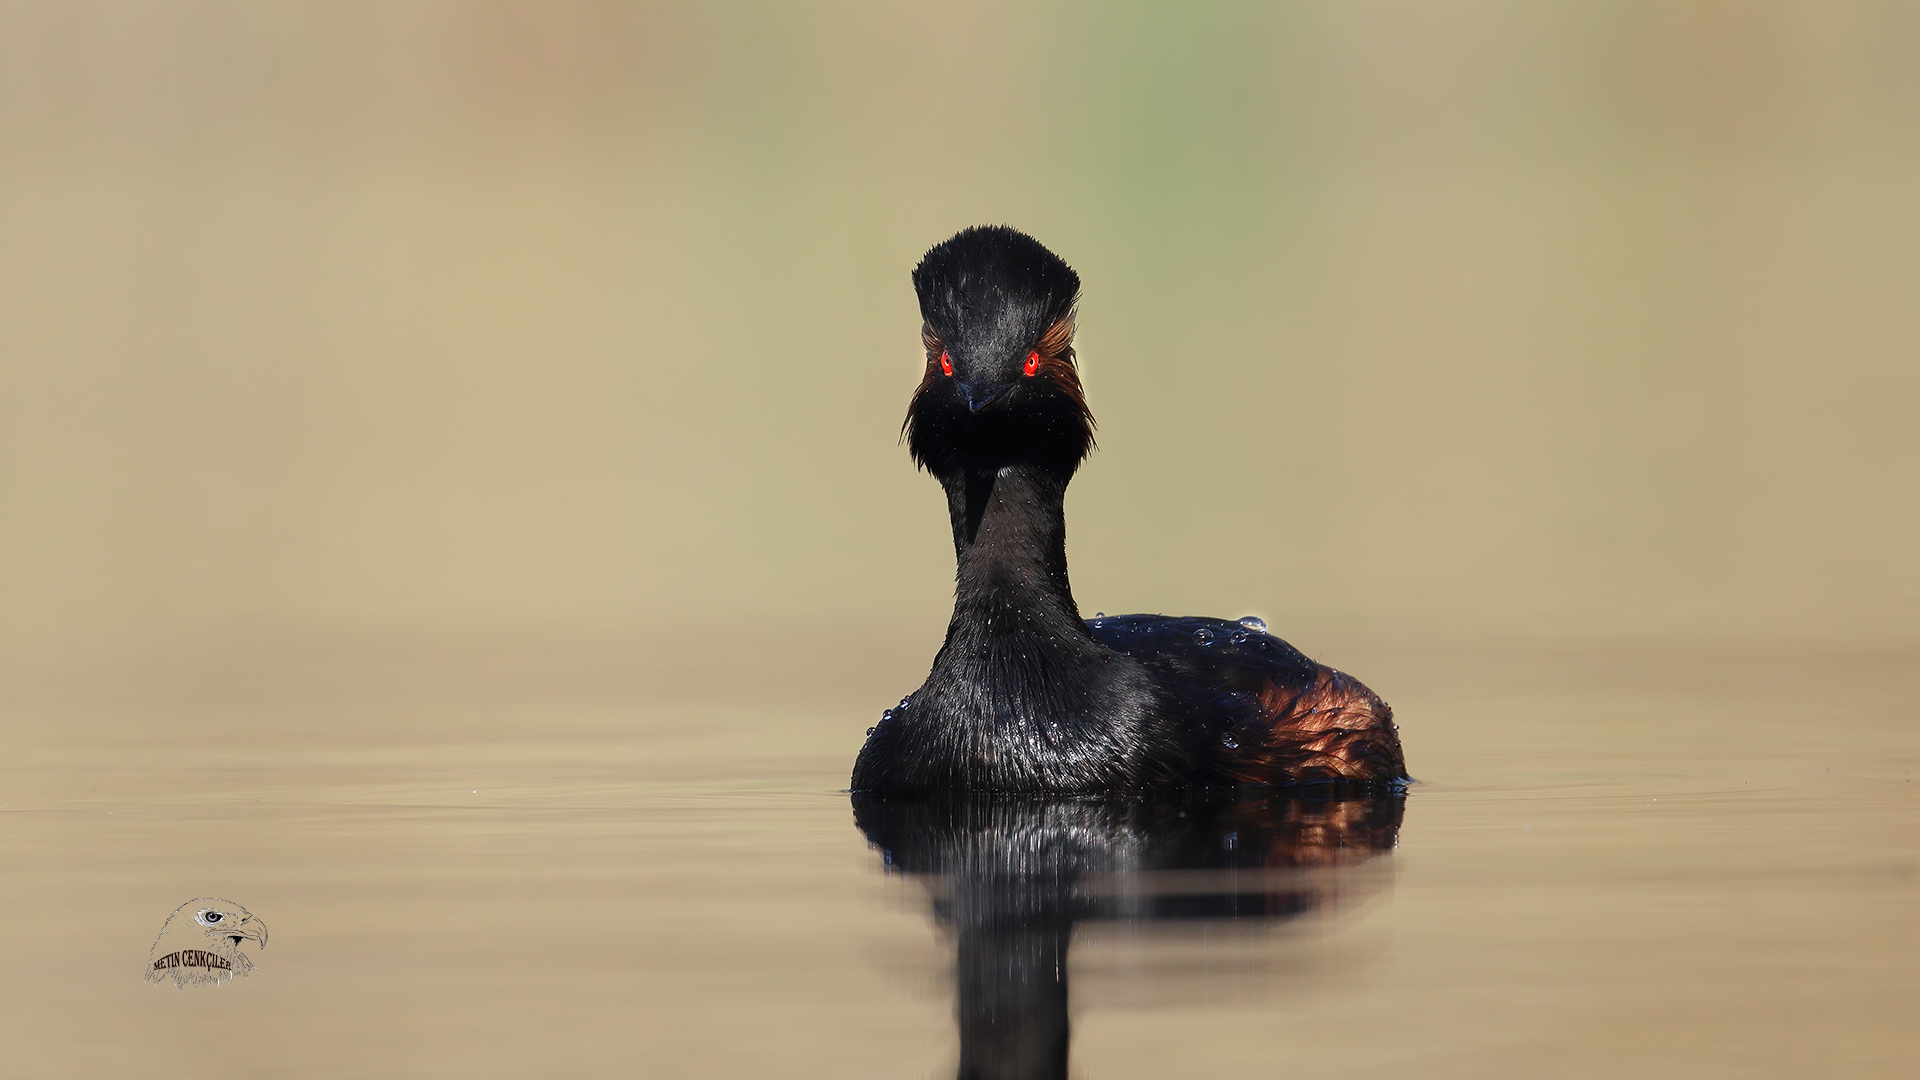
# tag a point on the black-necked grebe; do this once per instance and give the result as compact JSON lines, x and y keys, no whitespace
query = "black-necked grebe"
{"x":1025,"y":696}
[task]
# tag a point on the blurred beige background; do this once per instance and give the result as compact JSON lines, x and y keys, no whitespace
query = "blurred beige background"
{"x":449,"y":487}
{"x":424,"y":321}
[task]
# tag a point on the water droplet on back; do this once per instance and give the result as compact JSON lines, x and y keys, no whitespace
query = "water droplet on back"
{"x":1227,"y":740}
{"x":1203,"y":636}
{"x":870,"y":731}
{"x":1240,"y":637}
{"x":1254,"y":622}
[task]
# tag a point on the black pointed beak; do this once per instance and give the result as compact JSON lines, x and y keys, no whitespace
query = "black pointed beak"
{"x":981,"y":395}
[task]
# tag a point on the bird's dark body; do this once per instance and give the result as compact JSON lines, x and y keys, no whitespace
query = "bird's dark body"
{"x":1025,"y":695}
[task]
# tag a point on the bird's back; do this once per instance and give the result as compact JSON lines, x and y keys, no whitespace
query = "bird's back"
{"x":1258,"y":710}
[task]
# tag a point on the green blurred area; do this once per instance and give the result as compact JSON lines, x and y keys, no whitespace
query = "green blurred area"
{"x":1498,"y":319}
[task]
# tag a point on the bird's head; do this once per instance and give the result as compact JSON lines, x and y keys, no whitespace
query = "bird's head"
{"x":199,"y":944}
{"x":1000,"y":386}
{"x":211,"y":923}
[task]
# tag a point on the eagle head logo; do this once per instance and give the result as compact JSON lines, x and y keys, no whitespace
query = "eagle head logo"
{"x":199,"y":945}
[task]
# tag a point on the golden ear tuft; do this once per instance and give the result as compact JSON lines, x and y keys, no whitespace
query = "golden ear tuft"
{"x":1057,"y":342}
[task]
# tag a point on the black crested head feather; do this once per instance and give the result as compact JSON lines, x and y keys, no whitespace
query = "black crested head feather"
{"x":993,"y":289}
{"x":1001,"y":385}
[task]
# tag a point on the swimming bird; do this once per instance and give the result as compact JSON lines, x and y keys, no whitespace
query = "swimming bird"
{"x":1025,"y":696}
{"x":199,"y":944}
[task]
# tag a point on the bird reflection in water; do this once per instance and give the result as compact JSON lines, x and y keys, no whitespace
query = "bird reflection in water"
{"x":1009,"y":877}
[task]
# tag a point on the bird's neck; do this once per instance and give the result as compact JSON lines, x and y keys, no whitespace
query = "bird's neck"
{"x":1010,"y":544}
{"x":1020,"y":698}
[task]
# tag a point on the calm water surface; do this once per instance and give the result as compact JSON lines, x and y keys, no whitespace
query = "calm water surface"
{"x":1646,"y":862}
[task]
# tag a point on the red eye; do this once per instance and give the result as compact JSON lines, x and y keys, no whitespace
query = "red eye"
{"x":1033,"y":363}
{"x":946,"y":364}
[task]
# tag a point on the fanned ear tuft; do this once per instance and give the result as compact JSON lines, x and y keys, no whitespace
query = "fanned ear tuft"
{"x":931,"y":341}
{"x":1057,"y":366}
{"x":1057,"y":342}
